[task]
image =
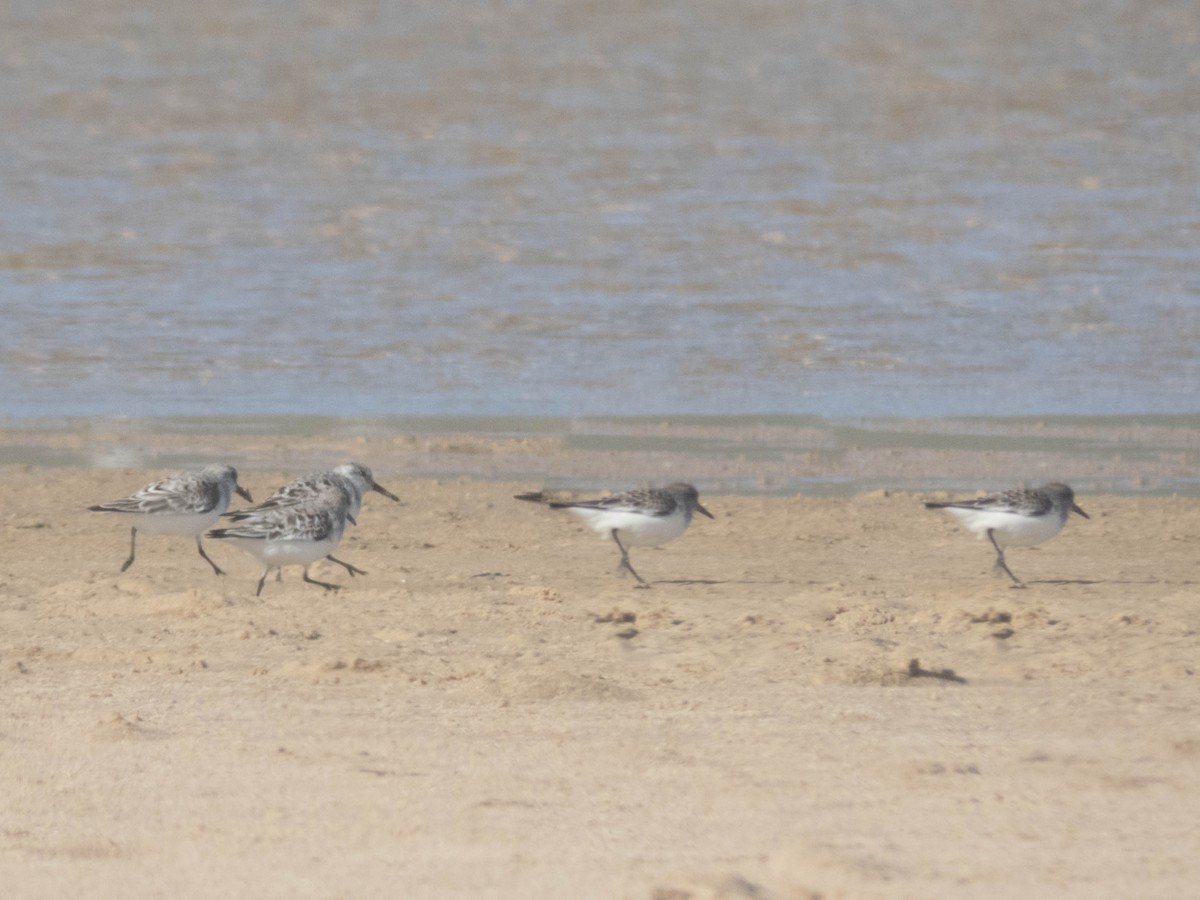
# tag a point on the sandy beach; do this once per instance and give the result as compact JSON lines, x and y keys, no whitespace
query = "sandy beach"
{"x":817,"y":698}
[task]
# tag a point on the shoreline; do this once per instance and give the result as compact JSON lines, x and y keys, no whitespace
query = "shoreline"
{"x":768,"y":455}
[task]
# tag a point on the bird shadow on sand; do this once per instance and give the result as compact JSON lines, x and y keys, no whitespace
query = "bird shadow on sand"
{"x":1093,"y":581}
{"x":717,"y":581}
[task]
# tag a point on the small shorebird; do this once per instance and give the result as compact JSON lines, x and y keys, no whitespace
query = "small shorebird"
{"x":294,"y":535}
{"x":645,"y":518}
{"x":1018,"y":518}
{"x":183,"y":503}
{"x":356,"y":479}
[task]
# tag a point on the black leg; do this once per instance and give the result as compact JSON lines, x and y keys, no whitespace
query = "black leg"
{"x":1000,"y":563}
{"x":200,"y":547}
{"x":132,"y":545}
{"x":262,"y":581}
{"x":324,"y":584}
{"x":353,"y":570}
{"x":642,"y":583}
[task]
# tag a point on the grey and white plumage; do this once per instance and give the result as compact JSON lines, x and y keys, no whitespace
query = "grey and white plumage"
{"x":356,"y":479}
{"x":1024,"y":517}
{"x":184,"y":503}
{"x":294,"y":535}
{"x":644,"y":518}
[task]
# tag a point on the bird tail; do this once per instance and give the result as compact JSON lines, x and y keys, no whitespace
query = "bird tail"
{"x":540,"y":497}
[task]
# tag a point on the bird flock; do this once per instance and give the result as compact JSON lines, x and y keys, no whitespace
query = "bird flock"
{"x":300,"y":523}
{"x":304,"y":520}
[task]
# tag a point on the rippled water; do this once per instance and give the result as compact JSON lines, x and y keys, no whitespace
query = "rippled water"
{"x":515,"y":208}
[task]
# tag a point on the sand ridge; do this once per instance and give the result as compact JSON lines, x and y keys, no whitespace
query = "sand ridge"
{"x":826,"y":698}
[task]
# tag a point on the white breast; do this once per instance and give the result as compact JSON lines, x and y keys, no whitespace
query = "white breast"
{"x":173,"y":523}
{"x":1010,"y":529}
{"x":295,"y":553}
{"x":635,"y":529}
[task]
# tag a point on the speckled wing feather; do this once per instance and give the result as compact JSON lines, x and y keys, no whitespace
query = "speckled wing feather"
{"x":1018,"y":502}
{"x":288,"y":524}
{"x":302,"y":490}
{"x":185,"y":492}
{"x":647,"y":503}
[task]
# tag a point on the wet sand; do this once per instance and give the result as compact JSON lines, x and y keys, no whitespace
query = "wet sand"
{"x":748,"y":454}
{"x":494,"y":712}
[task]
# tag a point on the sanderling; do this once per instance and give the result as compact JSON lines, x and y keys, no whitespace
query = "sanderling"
{"x":356,"y":478}
{"x":1018,"y":518}
{"x":294,"y":535}
{"x":635,"y":518}
{"x":184,"y":503}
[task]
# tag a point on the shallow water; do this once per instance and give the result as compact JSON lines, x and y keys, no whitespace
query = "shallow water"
{"x":510,"y":209}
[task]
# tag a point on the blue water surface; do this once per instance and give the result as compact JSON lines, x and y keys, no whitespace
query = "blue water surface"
{"x":908,"y":208}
